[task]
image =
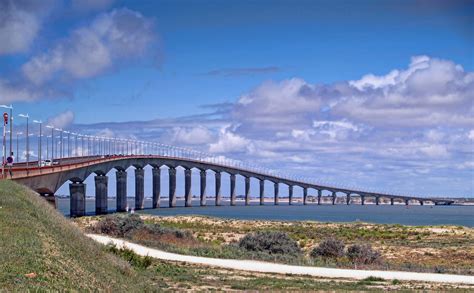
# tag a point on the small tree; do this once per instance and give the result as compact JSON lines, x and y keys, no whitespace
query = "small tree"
{"x":362,"y":254}
{"x":331,"y":248}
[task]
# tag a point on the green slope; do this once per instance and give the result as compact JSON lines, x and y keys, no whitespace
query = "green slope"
{"x":35,"y":239}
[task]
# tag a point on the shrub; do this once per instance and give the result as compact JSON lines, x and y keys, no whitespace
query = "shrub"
{"x":329,"y":248}
{"x":362,"y":254}
{"x":270,"y":242}
{"x":117,"y":225}
{"x":141,"y":262}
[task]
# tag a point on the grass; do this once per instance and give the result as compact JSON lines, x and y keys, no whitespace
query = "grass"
{"x":41,"y":250}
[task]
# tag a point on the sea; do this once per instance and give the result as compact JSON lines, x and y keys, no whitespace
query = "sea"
{"x":412,"y":215}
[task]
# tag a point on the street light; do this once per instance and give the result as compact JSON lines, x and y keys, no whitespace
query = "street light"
{"x":17,"y":144}
{"x":68,"y":152}
{"x":27,"y":117}
{"x":39,"y":140}
{"x":52,"y":143}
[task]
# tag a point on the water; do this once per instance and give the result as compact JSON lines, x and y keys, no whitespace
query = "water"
{"x":384,"y":214}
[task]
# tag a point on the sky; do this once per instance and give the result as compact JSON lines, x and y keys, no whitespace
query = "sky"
{"x":372,"y":94}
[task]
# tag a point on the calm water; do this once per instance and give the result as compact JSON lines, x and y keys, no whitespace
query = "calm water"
{"x":384,"y":214}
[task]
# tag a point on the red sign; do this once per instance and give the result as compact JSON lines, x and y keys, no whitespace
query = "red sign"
{"x":5,"y":118}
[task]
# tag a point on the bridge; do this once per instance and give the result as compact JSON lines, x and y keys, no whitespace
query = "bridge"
{"x":48,"y":179}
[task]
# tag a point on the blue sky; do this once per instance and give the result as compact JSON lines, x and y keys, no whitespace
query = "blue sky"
{"x":370,"y":93}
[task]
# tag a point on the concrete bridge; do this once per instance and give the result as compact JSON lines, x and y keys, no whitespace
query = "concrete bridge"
{"x":47,"y":180}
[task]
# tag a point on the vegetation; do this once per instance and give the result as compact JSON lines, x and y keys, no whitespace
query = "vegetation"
{"x":270,"y":242}
{"x":332,"y":248}
{"x":362,"y":254}
{"x":441,"y":249}
{"x":41,"y":250}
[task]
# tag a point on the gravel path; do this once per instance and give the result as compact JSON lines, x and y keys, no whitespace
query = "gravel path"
{"x":266,"y":267}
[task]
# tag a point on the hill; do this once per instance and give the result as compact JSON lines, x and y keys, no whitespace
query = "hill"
{"x":40,"y":249}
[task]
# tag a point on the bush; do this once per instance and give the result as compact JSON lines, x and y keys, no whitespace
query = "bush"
{"x":329,"y":248}
{"x":141,"y":262}
{"x":117,"y":225}
{"x":270,"y":242}
{"x":157,"y":229}
{"x":362,"y":254}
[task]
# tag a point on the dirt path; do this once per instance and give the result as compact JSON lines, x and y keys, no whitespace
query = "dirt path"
{"x":266,"y":267}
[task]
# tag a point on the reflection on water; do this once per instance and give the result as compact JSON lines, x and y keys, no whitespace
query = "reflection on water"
{"x":398,"y":214}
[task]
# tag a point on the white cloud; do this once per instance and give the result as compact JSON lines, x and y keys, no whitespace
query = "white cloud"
{"x":436,"y":151}
{"x":229,"y":142}
{"x":191,"y":136}
{"x":20,"y":22}
{"x":90,"y":50}
{"x":62,"y":120}
{"x":470,"y":135}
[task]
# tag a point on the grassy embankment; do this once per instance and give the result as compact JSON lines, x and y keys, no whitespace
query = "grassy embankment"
{"x":41,"y":250}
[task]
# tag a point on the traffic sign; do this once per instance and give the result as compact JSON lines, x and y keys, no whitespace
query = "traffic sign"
{"x":5,"y":118}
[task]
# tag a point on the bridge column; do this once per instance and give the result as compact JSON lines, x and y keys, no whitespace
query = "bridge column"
{"x":320,"y":193}
{"x":121,"y":194}
{"x":156,"y":172}
{"x":78,"y":199}
{"x":334,"y":196}
{"x":262,"y":192}
{"x":139,"y":188}
{"x":188,"y":197}
{"x":290,"y":194}
{"x":391,"y":201}
{"x":276,"y":193}
{"x":362,"y":199}
{"x":377,"y":200}
{"x":203,"y":187}
{"x":348,"y":198}
{"x":101,"y":194}
{"x":305,"y":195}
{"x":407,"y":201}
{"x":218,"y":188}
{"x":247,"y":191}
{"x":421,"y":202}
{"x":172,"y":183}
{"x":232,"y":189}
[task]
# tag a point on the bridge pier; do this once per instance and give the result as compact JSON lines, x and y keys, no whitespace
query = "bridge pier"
{"x":156,"y":173}
{"x":290,"y":194}
{"x":262,"y":192}
{"x":203,"y":188}
{"x":247,"y":191}
{"x":362,"y":199}
{"x":172,"y":189}
{"x":348,"y":198}
{"x":392,"y":201}
{"x":407,"y":201}
{"x":377,"y":200}
{"x":276,"y":190}
{"x":188,"y":197}
{"x":101,"y":194}
{"x":121,"y":176}
{"x":421,"y":202}
{"x":139,"y":188}
{"x":320,"y":193}
{"x":334,"y":196}
{"x":218,"y":188}
{"x":305,"y":195}
{"x":232,"y":189}
{"x":78,"y":199}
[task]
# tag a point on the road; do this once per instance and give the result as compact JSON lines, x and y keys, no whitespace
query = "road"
{"x":266,"y":267}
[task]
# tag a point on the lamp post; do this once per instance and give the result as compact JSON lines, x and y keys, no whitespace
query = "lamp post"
{"x":17,"y":146}
{"x":52,"y":143}
{"x":61,"y":150}
{"x":27,"y":117}
{"x":68,"y":150}
{"x":39,"y":141}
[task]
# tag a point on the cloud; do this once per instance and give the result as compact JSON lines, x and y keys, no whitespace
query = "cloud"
{"x":191,"y":136}
{"x":90,"y":50}
{"x":227,"y":72}
{"x":20,"y":22}
{"x":229,"y":142}
{"x":62,"y":120}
